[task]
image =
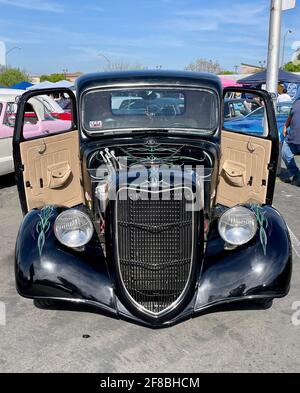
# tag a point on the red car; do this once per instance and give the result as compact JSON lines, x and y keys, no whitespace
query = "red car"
{"x":62,"y":116}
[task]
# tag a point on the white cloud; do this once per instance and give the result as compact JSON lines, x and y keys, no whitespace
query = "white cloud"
{"x":90,"y":53}
{"x":190,"y":25}
{"x":246,"y":41}
{"x":37,"y":5}
{"x":238,"y":13}
{"x":146,"y":41}
{"x":94,"y":8}
{"x":20,"y":41}
{"x":232,"y":15}
{"x":107,"y":42}
{"x":120,"y":46}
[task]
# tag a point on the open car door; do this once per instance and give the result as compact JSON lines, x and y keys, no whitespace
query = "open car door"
{"x":46,"y":151}
{"x":249,"y":149}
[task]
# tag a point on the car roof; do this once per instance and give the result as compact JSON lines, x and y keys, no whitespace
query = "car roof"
{"x":8,"y":97}
{"x":153,"y":77}
{"x":12,"y":92}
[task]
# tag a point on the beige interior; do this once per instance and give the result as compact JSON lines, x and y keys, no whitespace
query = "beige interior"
{"x":244,"y":169}
{"x":52,"y":174}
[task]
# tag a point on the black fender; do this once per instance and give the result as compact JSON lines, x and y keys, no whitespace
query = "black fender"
{"x":57,"y":272}
{"x":247,"y":272}
{"x":243,"y":273}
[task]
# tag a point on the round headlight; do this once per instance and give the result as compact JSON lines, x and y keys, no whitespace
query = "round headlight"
{"x":73,"y":228}
{"x":237,"y":226}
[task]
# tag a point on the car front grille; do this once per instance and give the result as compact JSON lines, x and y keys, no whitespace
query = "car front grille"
{"x":155,"y":248}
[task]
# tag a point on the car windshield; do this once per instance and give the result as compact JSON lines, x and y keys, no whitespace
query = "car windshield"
{"x":134,"y":109}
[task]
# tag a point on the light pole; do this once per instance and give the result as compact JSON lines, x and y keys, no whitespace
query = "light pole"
{"x":274,"y":46}
{"x":283,"y":46}
{"x":10,"y":50}
{"x":276,"y":8}
{"x":106,"y":58}
{"x":65,"y":70}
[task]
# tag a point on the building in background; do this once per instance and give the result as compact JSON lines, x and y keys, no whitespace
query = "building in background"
{"x":35,"y":79}
{"x":70,"y":76}
{"x":250,"y":69}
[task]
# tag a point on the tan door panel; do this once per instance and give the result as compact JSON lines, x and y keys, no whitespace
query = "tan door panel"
{"x":244,"y":169}
{"x":52,"y":174}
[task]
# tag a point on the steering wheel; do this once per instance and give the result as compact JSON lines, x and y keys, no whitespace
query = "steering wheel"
{"x":152,"y":110}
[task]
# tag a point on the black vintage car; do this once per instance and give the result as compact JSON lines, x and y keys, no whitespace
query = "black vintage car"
{"x":145,"y":206}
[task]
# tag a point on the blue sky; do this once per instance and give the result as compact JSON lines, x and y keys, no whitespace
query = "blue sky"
{"x":70,"y":34}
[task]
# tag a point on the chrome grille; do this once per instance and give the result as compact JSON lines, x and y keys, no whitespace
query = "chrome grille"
{"x":155,"y":248}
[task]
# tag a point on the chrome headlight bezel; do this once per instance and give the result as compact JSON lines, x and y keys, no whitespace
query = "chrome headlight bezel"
{"x":73,"y":228}
{"x":242,"y":224}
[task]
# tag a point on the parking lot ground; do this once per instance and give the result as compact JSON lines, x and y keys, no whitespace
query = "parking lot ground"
{"x":39,"y":340}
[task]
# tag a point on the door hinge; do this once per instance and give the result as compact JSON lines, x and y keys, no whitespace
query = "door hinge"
{"x":21,"y":168}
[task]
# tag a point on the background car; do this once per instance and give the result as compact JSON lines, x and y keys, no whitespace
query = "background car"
{"x":253,"y":122}
{"x":156,"y":106}
{"x":38,"y":120}
{"x":235,"y":108}
{"x":239,"y":107}
{"x":57,"y":110}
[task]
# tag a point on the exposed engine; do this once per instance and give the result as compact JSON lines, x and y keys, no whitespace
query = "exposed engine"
{"x":150,"y":165}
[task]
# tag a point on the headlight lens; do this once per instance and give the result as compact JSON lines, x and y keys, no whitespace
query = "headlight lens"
{"x":73,"y":228}
{"x":237,"y":226}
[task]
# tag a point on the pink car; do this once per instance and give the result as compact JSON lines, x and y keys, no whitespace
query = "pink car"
{"x":38,"y":121}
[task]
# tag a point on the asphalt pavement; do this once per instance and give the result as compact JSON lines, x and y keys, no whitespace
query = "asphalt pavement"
{"x":39,"y":340}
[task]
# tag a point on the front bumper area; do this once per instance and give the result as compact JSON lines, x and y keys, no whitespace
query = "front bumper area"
{"x":84,"y":277}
